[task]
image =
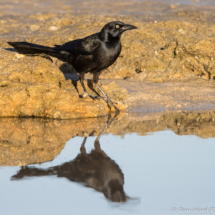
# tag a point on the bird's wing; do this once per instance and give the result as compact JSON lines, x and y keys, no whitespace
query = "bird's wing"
{"x":84,"y":46}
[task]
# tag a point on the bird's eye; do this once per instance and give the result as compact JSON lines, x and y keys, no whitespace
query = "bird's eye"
{"x":117,"y":26}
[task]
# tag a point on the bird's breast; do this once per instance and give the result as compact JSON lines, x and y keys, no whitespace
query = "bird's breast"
{"x":108,"y":55}
{"x":101,"y":59}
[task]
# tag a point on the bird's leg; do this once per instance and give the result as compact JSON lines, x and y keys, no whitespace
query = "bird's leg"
{"x":106,"y":98}
{"x":83,"y":149}
{"x":109,"y":121}
{"x":85,"y":94}
{"x":99,"y":97}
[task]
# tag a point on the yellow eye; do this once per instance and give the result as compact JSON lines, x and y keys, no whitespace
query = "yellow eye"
{"x":117,"y":26}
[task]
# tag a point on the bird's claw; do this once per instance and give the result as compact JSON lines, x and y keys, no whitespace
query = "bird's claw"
{"x":86,"y":94}
{"x":98,"y":97}
{"x":107,"y":100}
{"x":94,"y":97}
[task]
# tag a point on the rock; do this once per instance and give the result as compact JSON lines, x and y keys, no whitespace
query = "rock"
{"x":53,"y":28}
{"x":181,"y":55}
{"x":34,"y":27}
{"x":34,"y":86}
{"x":178,"y":48}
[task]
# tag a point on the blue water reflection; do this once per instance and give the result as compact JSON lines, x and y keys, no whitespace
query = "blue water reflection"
{"x":162,"y":172}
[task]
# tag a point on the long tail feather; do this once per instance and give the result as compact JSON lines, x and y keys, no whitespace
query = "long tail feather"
{"x":30,"y":48}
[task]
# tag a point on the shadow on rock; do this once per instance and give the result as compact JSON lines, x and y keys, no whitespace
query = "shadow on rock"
{"x":68,"y":71}
{"x":95,"y":170}
{"x":11,"y":49}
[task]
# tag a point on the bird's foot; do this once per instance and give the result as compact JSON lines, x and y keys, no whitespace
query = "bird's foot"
{"x":115,"y":103}
{"x":86,"y":94}
{"x":95,"y":97}
{"x":106,"y":99}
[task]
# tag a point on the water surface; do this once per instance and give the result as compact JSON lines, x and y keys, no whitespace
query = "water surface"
{"x":121,"y":172}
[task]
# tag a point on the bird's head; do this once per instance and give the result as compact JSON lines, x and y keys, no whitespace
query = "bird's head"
{"x":114,"y":191}
{"x":114,"y":30}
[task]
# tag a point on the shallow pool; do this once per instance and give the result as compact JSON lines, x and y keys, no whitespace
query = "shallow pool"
{"x":157,"y":173}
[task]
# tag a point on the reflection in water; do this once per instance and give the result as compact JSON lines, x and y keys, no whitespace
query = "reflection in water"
{"x":95,"y":170}
{"x":33,"y":141}
{"x":164,"y":170}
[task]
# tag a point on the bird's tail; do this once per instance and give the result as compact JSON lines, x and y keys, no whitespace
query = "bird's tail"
{"x":30,"y":48}
{"x":26,"y":171}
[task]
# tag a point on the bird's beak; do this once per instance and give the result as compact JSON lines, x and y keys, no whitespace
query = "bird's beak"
{"x":128,"y":27}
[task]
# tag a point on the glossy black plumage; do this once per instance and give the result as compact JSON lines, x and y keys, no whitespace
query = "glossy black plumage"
{"x":90,"y":54}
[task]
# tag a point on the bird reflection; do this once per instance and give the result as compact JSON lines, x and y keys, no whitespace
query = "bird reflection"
{"x":95,"y":170}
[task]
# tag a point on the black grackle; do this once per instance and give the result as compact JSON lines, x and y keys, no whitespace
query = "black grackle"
{"x":90,"y":54}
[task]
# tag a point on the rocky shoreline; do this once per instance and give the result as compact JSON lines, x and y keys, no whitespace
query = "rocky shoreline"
{"x":166,"y":64}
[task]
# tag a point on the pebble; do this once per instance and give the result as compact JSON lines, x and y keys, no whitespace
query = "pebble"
{"x":34,"y":27}
{"x":53,"y":28}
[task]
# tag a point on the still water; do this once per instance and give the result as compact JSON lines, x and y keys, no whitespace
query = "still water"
{"x":110,"y":169}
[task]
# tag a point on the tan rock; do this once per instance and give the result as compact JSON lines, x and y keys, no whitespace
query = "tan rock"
{"x":34,"y":86}
{"x":160,"y":49}
{"x":53,"y":28}
{"x":179,"y":48}
{"x":34,"y":27}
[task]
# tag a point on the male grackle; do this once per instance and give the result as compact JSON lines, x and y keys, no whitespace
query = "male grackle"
{"x":90,"y":54}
